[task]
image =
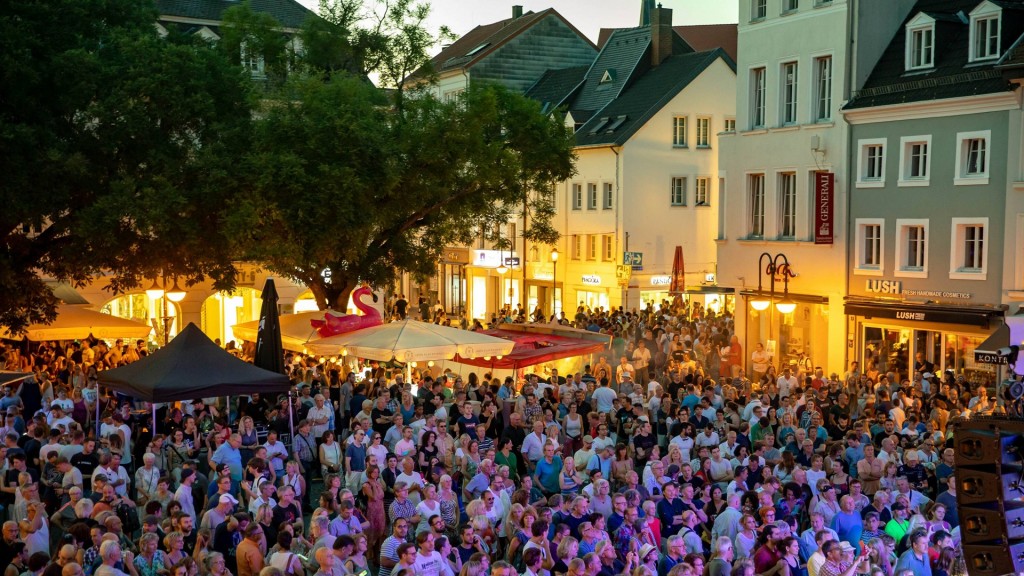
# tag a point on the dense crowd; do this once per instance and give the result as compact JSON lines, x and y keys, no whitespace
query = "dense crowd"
{"x":659,"y":457}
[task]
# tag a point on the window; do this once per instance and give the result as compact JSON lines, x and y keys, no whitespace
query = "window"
{"x":912,"y":248}
{"x":722,"y":202}
{"x":701,"y":192}
{"x":921,"y":47}
{"x":985,"y":38}
{"x":592,"y":247}
{"x":730,"y":124}
{"x":703,"y":132}
{"x":609,"y":196}
{"x":678,"y":195}
{"x":591,"y":196}
{"x":758,"y":9}
{"x":868,"y":247}
{"x":575,"y":246}
{"x":755,"y":205}
{"x":679,"y":131}
{"x":577,"y":196}
{"x":972,"y":157}
{"x":787,"y":205}
{"x":789,"y":90}
{"x":253,"y":61}
{"x":823,"y":88}
{"x":790,"y":6}
{"x":871,"y":163}
{"x":757,"y":98}
{"x":968,"y":257}
{"x":915,"y":160}
{"x":607,"y":247}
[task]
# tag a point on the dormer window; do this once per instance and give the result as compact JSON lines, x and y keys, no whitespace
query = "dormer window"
{"x":985,"y":28}
{"x":920,"y":43}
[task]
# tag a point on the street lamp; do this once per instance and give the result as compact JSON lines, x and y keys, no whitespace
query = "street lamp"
{"x":777,"y":264}
{"x":554,"y":281}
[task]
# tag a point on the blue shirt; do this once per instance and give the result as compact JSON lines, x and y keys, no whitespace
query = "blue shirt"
{"x":225,"y":454}
{"x":598,"y":463}
{"x":547,"y":474}
{"x":849,"y":527}
{"x":909,"y":561}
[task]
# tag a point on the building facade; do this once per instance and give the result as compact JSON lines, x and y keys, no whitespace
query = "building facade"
{"x":934,"y":208}
{"x":784,"y":167}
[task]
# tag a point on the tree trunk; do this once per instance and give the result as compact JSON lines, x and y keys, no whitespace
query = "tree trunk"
{"x":333,"y":295}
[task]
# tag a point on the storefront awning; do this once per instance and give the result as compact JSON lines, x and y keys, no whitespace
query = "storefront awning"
{"x":986,"y":352}
{"x":709,"y":290}
{"x":911,"y":312}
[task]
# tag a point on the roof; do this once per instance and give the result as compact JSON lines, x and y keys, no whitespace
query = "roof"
{"x":289,"y":13}
{"x":953,"y":75}
{"x":624,"y":56}
{"x":484,"y":39}
{"x":700,"y":37}
{"x":621,"y":118}
{"x":555,"y":87}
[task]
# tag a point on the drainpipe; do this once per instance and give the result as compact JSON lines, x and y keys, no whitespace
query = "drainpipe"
{"x":618,"y":205}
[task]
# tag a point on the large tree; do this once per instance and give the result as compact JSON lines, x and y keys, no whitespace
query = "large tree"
{"x":351,"y":188}
{"x":112,"y":147}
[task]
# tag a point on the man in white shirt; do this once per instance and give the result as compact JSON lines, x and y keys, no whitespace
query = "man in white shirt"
{"x":319,"y":416}
{"x":428,"y":562}
{"x":58,"y":419}
{"x":533,"y":444}
{"x":117,"y":476}
{"x":787,"y":382}
{"x":183,"y":495}
{"x":277,"y":453}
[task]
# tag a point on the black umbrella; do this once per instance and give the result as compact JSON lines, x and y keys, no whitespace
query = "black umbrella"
{"x":269,"y":353}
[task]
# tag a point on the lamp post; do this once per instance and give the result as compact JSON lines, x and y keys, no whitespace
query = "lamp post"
{"x":554,"y":281}
{"x":777,"y":264}
{"x":174,"y":294}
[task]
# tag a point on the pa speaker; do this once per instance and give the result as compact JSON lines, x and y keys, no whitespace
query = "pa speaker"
{"x":990,"y":489}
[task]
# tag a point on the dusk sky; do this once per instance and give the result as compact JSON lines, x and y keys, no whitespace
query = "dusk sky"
{"x":588,"y":16}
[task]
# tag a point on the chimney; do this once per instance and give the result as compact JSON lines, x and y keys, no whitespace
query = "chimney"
{"x":517,"y":12}
{"x":661,"y":34}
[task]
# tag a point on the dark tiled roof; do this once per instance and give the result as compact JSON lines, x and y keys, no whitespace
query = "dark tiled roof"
{"x":643,"y":98}
{"x":953,"y":75}
{"x":701,"y":37}
{"x":289,"y":13}
{"x":557,"y":86}
{"x":623,"y":56}
{"x":488,"y":35}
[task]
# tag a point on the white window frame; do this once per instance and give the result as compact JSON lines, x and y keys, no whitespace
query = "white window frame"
{"x":608,"y":249}
{"x":958,"y":251}
{"x":758,"y":111}
{"x":963,"y":143}
{"x":702,"y":191}
{"x":703,"y":132}
{"x":576,"y":193}
{"x":861,"y":267}
{"x":864,"y":146}
{"x":753,"y":214}
{"x":821,"y":110}
{"x":609,"y":196}
{"x":906,"y":144}
{"x":903,"y":226}
{"x":789,"y":81}
{"x":677,"y":191}
{"x":577,"y":247}
{"x":591,"y":246}
{"x":592,"y":196}
{"x":918,"y":30}
{"x":781,"y":193}
{"x":758,"y":10}
{"x":986,"y":14}
{"x":257,"y":66}
{"x":730,"y":124}
{"x":679,"y":127}
{"x":790,"y":6}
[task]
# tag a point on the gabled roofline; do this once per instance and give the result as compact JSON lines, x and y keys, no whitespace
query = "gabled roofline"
{"x":538,"y":16}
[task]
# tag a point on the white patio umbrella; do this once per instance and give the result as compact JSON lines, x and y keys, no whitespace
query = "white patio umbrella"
{"x":76,"y":322}
{"x":412,"y":341}
{"x":295,"y":329}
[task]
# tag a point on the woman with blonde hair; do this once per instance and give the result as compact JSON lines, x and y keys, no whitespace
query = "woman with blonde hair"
{"x":509,"y":524}
{"x":522,"y":533}
{"x":174,"y":542}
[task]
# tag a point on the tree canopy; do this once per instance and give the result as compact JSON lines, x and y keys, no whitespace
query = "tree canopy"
{"x":107,"y":140}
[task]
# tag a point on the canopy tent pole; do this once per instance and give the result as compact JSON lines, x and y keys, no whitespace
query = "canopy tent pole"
{"x":291,"y":420}
{"x":97,"y":410}
{"x":153,"y":405}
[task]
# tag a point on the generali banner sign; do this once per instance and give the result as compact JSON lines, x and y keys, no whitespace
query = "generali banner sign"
{"x":824,"y":207}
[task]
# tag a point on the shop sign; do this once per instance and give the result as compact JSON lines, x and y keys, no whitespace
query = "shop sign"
{"x":512,"y":262}
{"x":967,"y":317}
{"x":492,"y":258}
{"x":661,"y":280}
{"x":939,"y":294}
{"x":982,"y":357}
{"x":591,"y":280}
{"x":883,"y":286}
{"x":824,"y":208}
{"x":896,"y":287}
{"x":455,"y":256}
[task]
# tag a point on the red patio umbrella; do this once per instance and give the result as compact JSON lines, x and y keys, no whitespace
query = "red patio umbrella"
{"x":678,"y":285}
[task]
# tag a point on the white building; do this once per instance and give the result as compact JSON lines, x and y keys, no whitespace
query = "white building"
{"x":799,"y":61}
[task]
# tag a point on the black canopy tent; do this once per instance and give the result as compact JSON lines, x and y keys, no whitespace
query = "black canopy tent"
{"x":191,"y":366}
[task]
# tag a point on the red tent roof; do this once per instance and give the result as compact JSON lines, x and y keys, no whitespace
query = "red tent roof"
{"x":539,"y":343}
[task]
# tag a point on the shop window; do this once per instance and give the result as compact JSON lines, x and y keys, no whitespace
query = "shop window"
{"x":886,"y":350}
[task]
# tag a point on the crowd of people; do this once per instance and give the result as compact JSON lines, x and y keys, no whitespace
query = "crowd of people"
{"x":660,"y":457}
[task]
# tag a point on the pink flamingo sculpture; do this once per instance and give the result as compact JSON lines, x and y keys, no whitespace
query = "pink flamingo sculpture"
{"x":332,"y":325}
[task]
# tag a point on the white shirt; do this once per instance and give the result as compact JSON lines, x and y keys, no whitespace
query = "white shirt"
{"x":533,"y":446}
{"x":314,"y":414}
{"x":276,"y":453}
{"x":183,"y":496}
{"x":786,"y":385}
{"x":430,"y":565}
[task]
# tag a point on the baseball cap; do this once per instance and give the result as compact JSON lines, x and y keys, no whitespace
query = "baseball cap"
{"x":228,"y":498}
{"x":845,"y":546}
{"x":588,"y":439}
